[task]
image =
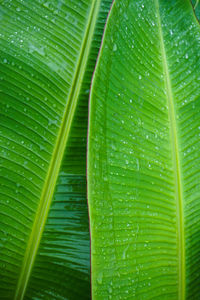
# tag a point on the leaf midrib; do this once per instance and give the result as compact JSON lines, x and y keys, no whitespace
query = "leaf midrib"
{"x":176,"y":163}
{"x":54,"y":166}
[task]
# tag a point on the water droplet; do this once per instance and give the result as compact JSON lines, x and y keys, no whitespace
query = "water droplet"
{"x":124,"y":252}
{"x":137,"y":164}
{"x":114,"y":47}
{"x":100,"y":277}
{"x":33,"y":48}
{"x":52,"y":122}
{"x":41,"y":147}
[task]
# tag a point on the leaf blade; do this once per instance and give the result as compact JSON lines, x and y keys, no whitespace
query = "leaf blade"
{"x":55,"y":163}
{"x":41,"y":44}
{"x":132,"y":182}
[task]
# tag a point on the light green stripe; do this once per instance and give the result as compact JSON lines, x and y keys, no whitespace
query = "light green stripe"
{"x":196,"y":4}
{"x":176,"y":163}
{"x":50,"y":182}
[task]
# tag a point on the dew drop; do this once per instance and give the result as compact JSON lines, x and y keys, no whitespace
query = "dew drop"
{"x":100,"y":277}
{"x":114,"y":47}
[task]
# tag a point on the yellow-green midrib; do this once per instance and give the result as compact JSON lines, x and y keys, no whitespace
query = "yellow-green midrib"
{"x":176,"y":163}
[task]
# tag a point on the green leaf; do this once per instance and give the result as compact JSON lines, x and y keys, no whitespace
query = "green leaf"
{"x":196,"y":5}
{"x":144,"y":149}
{"x":48,"y":52}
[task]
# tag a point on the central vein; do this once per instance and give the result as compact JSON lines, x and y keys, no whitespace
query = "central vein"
{"x":50,"y":181}
{"x":176,"y":164}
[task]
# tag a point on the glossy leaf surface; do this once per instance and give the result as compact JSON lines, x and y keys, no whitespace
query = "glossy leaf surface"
{"x":144,"y":149}
{"x":48,"y":52}
{"x":196,"y":5}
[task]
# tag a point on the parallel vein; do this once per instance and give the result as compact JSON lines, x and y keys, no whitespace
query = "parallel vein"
{"x":50,"y":182}
{"x":176,"y":163}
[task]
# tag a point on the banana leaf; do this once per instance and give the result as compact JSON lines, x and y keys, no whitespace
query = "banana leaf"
{"x":196,"y":5}
{"x":144,"y":154}
{"x":48,"y":51}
